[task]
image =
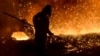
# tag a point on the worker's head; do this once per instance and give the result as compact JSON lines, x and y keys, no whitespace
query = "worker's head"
{"x":47,"y":10}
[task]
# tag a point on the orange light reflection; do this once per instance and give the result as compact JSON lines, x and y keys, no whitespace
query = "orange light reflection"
{"x":20,"y":36}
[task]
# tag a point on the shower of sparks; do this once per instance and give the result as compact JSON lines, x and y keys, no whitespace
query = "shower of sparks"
{"x":78,"y":44}
{"x":68,"y":16}
{"x":73,"y":17}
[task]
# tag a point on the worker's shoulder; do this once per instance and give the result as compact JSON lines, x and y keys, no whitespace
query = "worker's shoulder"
{"x":38,"y":14}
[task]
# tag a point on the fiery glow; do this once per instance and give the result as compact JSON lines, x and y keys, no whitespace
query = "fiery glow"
{"x":20,"y":36}
{"x":68,"y":16}
{"x":80,"y":17}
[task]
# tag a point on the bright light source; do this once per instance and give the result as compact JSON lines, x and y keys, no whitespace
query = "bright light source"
{"x":20,"y":36}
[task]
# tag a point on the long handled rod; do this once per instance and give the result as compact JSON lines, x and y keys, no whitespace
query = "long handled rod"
{"x":17,"y":19}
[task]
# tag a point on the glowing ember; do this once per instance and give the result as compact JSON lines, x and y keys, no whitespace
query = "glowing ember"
{"x":20,"y":36}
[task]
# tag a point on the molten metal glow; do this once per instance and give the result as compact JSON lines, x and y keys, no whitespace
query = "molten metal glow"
{"x":72,"y":17}
{"x":20,"y":36}
{"x":82,"y":18}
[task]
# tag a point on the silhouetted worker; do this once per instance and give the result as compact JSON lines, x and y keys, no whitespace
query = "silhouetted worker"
{"x":41,"y":24}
